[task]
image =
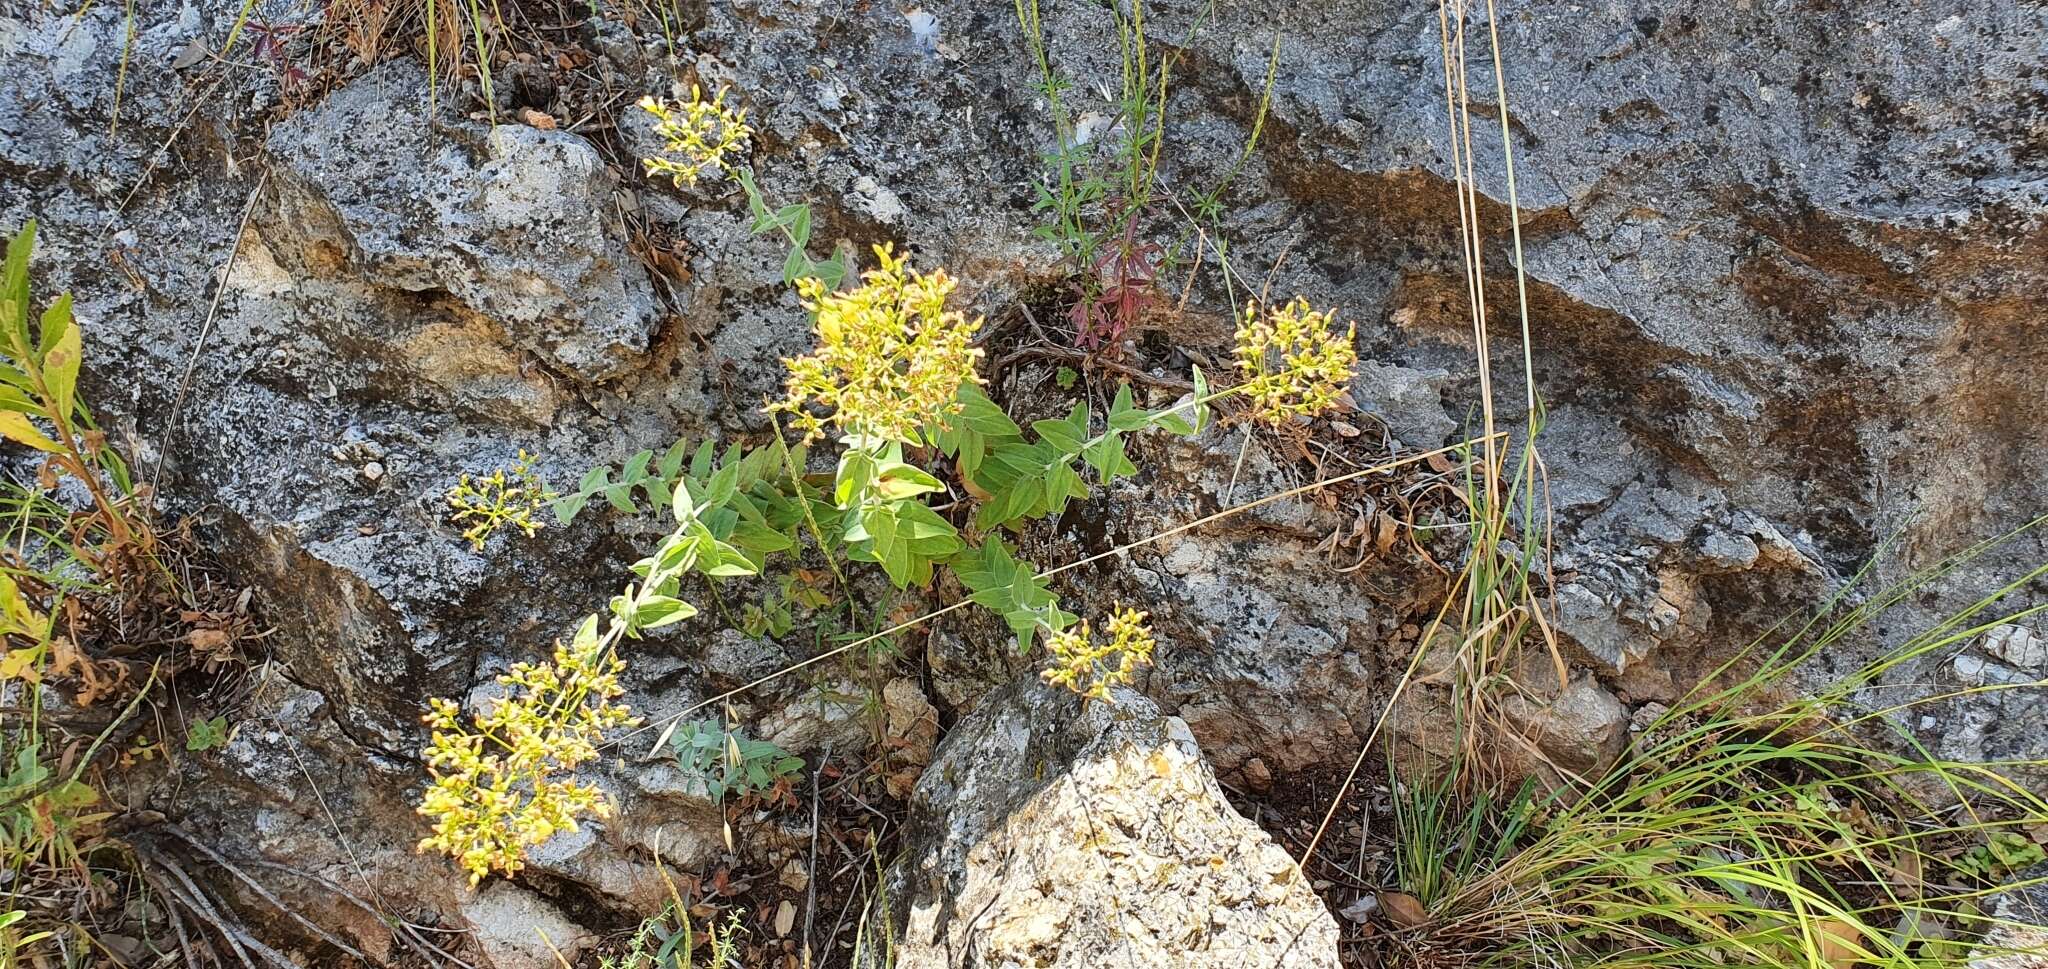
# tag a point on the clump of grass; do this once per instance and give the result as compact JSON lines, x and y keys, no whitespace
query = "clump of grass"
{"x":1743,"y":830}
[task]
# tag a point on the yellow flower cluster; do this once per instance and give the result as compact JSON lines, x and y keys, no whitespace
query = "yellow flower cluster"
{"x":1090,"y":670}
{"x":505,"y":498}
{"x":890,"y":357}
{"x":1293,"y":361}
{"x":702,"y":132}
{"x":496,"y":788}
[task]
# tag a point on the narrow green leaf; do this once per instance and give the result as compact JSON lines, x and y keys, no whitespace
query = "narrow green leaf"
{"x":621,"y":497}
{"x":14,"y":283}
{"x":683,"y":502}
{"x":56,"y":319}
{"x":900,"y":480}
{"x":1108,"y":459}
{"x":760,"y":538}
{"x":856,"y":477}
{"x":17,"y":401}
{"x":723,"y":485}
{"x":671,"y":463}
{"x":800,"y":225}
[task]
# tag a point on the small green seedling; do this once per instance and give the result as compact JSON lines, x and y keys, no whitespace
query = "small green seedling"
{"x":726,"y":763}
{"x":205,"y":735}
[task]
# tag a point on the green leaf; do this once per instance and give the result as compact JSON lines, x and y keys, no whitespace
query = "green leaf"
{"x":985,"y":415}
{"x":14,"y":285}
{"x":978,"y":426}
{"x":888,"y":546}
{"x":621,"y":497}
{"x":830,"y":272}
{"x":1062,"y":482}
{"x":730,"y":562}
{"x":677,"y":554}
{"x":1011,"y":588}
{"x":671,"y":463}
{"x":657,"y":611}
{"x":60,"y":361}
{"x":899,"y":480}
{"x":723,"y":485}
{"x":857,"y":472}
{"x":207,"y":734}
{"x":763,"y":219}
{"x":928,"y":537}
{"x":1107,"y":457}
{"x":1061,"y":435}
{"x":586,"y":633}
{"x":685,"y":507}
{"x":56,"y":319}
{"x":1171,"y":421}
{"x":799,"y":224}
{"x":1122,"y":415}
{"x":12,"y":378}
{"x":636,"y":466}
{"x":758,"y":537}
{"x":72,"y":795}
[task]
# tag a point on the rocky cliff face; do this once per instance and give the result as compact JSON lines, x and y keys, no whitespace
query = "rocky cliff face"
{"x":1787,"y":266}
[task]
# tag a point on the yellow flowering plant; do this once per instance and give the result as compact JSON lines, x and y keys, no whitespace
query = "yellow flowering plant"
{"x":500,"y":783}
{"x":1091,"y":669}
{"x":498,"y":786}
{"x":703,"y":138}
{"x":890,"y":359}
{"x":700,"y":135}
{"x":504,"y":498}
{"x":1294,"y":362}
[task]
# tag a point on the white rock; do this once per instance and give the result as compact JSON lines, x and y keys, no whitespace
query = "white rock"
{"x":2018,"y":646}
{"x":1054,"y":836}
{"x":515,"y":928}
{"x":1977,"y":671}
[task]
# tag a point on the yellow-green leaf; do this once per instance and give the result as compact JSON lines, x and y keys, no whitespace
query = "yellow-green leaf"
{"x":21,"y":664}
{"x":14,"y":283}
{"x":56,"y":320}
{"x":11,"y":397}
{"x":17,"y":428}
{"x":60,"y":367}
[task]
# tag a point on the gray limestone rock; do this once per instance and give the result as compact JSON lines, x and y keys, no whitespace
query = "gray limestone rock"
{"x":1056,"y":835}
